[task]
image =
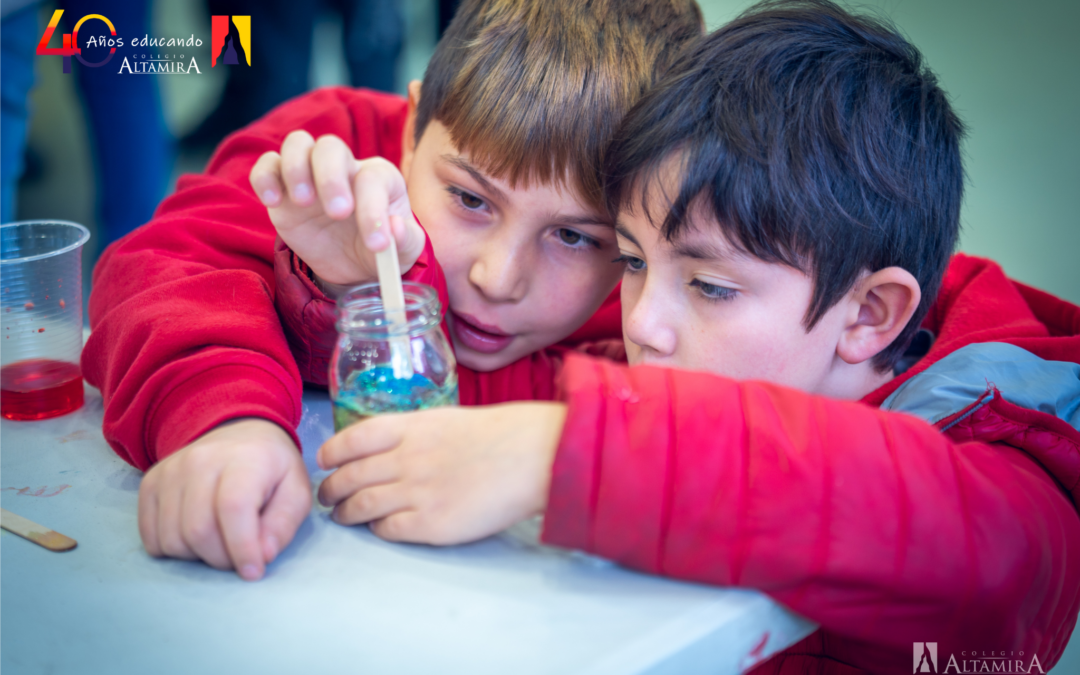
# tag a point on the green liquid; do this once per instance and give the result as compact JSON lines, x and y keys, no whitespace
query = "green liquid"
{"x":372,"y":392}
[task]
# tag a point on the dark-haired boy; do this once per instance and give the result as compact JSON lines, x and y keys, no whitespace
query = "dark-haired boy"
{"x":203,"y":325}
{"x":788,"y":198}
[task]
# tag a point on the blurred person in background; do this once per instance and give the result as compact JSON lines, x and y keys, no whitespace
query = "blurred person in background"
{"x":373,"y":33}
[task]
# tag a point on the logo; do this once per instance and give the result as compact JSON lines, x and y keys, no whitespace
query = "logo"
{"x":230,"y":41}
{"x":71,"y":41}
{"x":987,"y":661}
{"x":925,"y":657}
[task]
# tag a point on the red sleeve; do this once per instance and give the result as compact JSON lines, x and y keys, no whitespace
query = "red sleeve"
{"x":873,"y":524}
{"x":185,"y":334}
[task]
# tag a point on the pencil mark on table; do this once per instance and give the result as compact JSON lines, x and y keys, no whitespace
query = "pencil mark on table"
{"x":43,"y":491}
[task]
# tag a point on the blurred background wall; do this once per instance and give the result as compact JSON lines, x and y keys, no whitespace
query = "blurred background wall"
{"x":1010,"y":68}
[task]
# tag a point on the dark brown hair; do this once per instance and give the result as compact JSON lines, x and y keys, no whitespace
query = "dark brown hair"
{"x":533,"y":90}
{"x":817,"y":138}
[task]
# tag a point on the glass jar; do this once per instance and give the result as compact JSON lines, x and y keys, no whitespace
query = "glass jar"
{"x":375,"y":370}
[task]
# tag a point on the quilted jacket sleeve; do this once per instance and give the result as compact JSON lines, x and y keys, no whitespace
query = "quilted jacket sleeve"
{"x":873,"y":524}
{"x":184,"y":329}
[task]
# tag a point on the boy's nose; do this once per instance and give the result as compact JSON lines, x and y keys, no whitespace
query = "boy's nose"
{"x":646,"y":323}
{"x":500,"y":272}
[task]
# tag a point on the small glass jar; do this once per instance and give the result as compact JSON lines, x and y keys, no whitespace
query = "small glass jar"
{"x":375,"y":370}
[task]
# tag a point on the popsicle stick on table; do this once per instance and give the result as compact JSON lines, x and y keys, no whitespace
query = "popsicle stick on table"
{"x":393,"y":299}
{"x":39,"y":534}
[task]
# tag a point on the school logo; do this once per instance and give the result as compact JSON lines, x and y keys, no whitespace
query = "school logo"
{"x":975,"y":661}
{"x":925,"y":657}
{"x":71,"y":41}
{"x":230,"y":40}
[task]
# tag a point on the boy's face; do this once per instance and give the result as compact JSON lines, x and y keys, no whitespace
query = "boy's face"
{"x":525,"y":267}
{"x":700,"y":304}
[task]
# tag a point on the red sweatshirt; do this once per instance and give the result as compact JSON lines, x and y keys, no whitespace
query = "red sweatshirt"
{"x":199,"y":317}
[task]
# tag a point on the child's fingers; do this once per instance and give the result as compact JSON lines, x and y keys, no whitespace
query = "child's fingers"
{"x":287,"y":508}
{"x":371,"y":187}
{"x":170,"y":499}
{"x":239,"y":499}
{"x":410,"y":239}
{"x":363,"y":439}
{"x":400,"y":526}
{"x":266,"y":179}
{"x":148,"y":515}
{"x":296,"y":167}
{"x":199,"y":526}
{"x":331,"y":163}
{"x":371,"y":504}
{"x":357,"y":475}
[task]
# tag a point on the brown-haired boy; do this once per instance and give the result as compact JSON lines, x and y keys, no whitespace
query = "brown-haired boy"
{"x":203,"y":327}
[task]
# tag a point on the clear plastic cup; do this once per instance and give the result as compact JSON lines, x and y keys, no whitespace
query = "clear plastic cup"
{"x":41,"y":318}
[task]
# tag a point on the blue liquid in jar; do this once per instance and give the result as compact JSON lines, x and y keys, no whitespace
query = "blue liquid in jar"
{"x":371,"y":392}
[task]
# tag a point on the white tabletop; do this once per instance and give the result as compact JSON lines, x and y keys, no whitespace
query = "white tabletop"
{"x":338,"y":599}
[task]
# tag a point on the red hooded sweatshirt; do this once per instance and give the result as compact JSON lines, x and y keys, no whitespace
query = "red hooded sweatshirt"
{"x":938,"y":509}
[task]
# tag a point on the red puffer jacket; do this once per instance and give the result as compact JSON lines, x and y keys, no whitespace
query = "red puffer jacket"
{"x":958,"y":528}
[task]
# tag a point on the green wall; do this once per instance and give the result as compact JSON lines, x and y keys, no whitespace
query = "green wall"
{"x":1011,"y":70}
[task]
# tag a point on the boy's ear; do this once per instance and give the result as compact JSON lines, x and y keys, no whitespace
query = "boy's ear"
{"x":408,"y":134}
{"x":883,"y":304}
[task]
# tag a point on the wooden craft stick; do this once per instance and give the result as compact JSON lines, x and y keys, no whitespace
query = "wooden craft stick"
{"x":39,"y":534}
{"x":393,"y":299}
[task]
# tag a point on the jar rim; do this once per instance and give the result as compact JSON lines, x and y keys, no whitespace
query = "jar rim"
{"x":360,"y":310}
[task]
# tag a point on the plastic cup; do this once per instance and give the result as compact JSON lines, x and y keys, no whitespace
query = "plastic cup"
{"x":41,"y":318}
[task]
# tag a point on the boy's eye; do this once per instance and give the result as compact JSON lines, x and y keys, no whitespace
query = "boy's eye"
{"x":575,"y":239}
{"x":467,"y":199}
{"x":632,"y":264}
{"x":569,"y":236}
{"x":471,"y":201}
{"x":712,"y":291}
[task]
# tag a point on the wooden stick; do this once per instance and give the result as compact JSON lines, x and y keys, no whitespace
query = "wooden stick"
{"x":39,"y":534}
{"x":393,"y":299}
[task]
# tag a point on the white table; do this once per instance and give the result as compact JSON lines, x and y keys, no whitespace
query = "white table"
{"x":338,"y":599}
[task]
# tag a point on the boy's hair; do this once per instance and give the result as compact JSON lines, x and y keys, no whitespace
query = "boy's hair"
{"x":533,"y":90}
{"x":818,"y":139}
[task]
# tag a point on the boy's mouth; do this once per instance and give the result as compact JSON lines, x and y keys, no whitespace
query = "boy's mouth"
{"x":477,"y":336}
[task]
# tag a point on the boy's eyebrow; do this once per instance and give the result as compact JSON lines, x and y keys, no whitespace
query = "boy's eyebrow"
{"x":581,"y":220}
{"x":700,"y":251}
{"x":464,"y":165}
{"x":623,"y":232}
{"x":696,"y":251}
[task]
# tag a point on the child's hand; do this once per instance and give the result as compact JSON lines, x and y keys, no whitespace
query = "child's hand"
{"x":335,"y":211}
{"x":233,"y":498}
{"x":443,"y":475}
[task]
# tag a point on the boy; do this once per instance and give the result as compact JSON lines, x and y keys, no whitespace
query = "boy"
{"x":501,"y":153}
{"x":787,"y":201}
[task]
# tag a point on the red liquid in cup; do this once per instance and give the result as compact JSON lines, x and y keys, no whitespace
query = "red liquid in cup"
{"x":37,"y":389}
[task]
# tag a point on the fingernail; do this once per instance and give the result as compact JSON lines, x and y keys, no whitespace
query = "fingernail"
{"x":302,"y":192}
{"x":269,"y":197}
{"x":339,"y":204}
{"x":250,"y":572}
{"x":377,"y":240}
